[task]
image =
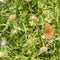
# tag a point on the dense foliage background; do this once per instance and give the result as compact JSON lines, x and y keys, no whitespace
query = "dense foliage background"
{"x":21,"y":34}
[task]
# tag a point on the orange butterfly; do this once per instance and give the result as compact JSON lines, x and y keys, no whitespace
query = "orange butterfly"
{"x":48,"y":30}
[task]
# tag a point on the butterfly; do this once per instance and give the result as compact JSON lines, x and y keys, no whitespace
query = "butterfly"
{"x":48,"y":30}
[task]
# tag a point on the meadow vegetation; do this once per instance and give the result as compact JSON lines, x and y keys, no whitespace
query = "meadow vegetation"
{"x":22,"y":30}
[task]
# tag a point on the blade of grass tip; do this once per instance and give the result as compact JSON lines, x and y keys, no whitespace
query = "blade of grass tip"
{"x":53,"y":3}
{"x":5,"y":26}
{"x":25,"y":30}
{"x":42,"y":24}
{"x":42,"y":31}
{"x":42,"y":20}
{"x":56,"y":15}
{"x":57,"y":20}
{"x":2,"y":24}
{"x":18,"y":28}
{"x":57,"y":23}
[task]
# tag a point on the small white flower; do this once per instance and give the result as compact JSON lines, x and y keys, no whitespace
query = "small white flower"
{"x":12,"y":16}
{"x":43,"y":49}
{"x":1,"y":54}
{"x":2,"y":0}
{"x":17,"y":56}
{"x":33,"y":17}
{"x":28,"y":0}
{"x":14,"y":31}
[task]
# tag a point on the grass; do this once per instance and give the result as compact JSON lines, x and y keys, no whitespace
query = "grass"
{"x":23,"y":37}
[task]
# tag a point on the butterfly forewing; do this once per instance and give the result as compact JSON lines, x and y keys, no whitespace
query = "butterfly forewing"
{"x":48,"y":30}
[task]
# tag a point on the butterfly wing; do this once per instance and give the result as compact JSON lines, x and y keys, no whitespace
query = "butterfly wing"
{"x":48,"y":30}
